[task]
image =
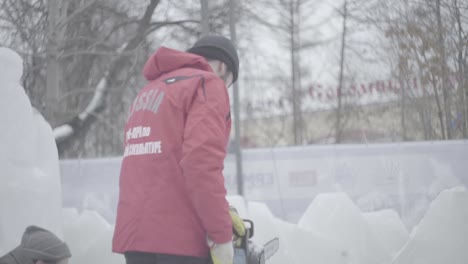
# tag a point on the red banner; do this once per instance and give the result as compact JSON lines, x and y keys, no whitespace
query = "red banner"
{"x":317,"y":91}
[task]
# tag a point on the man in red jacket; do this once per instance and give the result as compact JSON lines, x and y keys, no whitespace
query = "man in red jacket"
{"x":172,"y":194}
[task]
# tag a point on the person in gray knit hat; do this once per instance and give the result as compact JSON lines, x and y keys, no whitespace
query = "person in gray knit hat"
{"x":38,"y":246}
{"x":213,"y":47}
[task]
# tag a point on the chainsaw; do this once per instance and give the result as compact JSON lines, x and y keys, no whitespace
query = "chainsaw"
{"x":249,"y":253}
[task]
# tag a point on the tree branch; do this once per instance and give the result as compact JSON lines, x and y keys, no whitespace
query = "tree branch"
{"x":64,"y":132}
{"x":63,"y":22}
{"x":157,"y":25}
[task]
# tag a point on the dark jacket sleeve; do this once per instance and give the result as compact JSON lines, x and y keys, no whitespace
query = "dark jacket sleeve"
{"x":203,"y":154}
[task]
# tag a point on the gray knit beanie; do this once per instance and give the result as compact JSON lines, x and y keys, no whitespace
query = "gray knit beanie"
{"x":218,"y":48}
{"x":40,"y":244}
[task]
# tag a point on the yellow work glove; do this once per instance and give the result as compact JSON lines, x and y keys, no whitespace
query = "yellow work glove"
{"x":238,"y":226}
{"x":224,"y":253}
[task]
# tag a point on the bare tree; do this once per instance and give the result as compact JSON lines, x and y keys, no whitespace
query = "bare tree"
{"x":289,"y":26}
{"x":205,"y":17}
{"x":444,"y":73}
{"x":462,"y":69}
{"x":99,"y":47}
{"x":433,"y":57}
{"x":339,"y":108}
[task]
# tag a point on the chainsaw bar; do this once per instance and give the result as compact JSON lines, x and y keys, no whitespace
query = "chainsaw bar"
{"x":271,"y":247}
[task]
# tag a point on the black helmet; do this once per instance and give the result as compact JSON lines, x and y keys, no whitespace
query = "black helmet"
{"x":218,"y":48}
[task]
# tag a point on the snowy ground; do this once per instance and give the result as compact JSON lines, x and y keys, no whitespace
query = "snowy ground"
{"x":332,"y":229}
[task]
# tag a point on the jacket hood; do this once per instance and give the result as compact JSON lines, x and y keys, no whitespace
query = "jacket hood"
{"x":165,"y":60}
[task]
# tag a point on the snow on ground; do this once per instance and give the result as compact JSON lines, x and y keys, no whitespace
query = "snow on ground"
{"x":442,"y":235}
{"x":332,"y":231}
{"x":305,"y":246}
{"x":89,"y":237}
{"x":30,"y":190}
{"x":389,"y":229}
{"x":266,"y":229}
{"x":336,"y":217}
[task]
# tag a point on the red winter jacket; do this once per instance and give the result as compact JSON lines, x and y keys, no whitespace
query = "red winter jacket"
{"x":172,"y":193}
